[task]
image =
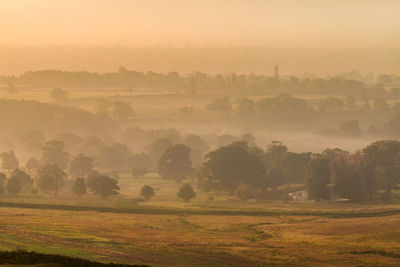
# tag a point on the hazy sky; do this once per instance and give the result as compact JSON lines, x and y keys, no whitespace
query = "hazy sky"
{"x":305,"y":23}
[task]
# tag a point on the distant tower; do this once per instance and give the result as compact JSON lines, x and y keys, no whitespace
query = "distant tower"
{"x":277,"y":72}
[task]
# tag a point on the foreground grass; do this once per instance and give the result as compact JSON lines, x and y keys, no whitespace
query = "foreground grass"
{"x":24,"y":258}
{"x":210,"y":210}
{"x":204,"y":240}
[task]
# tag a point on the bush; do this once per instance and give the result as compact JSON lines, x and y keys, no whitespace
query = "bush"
{"x":147,"y":192}
{"x":186,"y":192}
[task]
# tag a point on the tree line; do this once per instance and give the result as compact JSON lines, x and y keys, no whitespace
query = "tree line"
{"x":199,"y":81}
{"x":240,"y":168}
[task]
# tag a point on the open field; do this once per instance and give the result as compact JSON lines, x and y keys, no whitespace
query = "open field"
{"x":224,"y":232}
{"x":204,"y":240}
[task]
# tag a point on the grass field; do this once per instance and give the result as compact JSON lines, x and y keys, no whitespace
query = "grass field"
{"x":168,"y":232}
{"x":204,"y":240}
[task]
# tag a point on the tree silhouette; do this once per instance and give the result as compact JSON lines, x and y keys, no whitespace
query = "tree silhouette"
{"x":186,"y":192}
{"x":147,"y":192}
{"x":175,"y":163}
{"x":79,"y":187}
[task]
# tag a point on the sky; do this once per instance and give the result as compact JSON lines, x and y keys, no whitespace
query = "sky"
{"x":302,"y":23}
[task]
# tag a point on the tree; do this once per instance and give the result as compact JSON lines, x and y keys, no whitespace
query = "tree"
{"x":13,"y":186}
{"x":139,"y":171}
{"x":186,"y":192}
{"x":102,"y":185}
{"x":122,"y":111}
{"x":228,"y":167}
{"x":330,"y":153}
{"x":285,"y":106}
{"x":3,"y":181}
{"x":157,"y":148}
{"x":274,"y":155}
{"x":249,"y":139}
{"x":9,"y":161}
{"x":53,"y":154}
{"x":352,"y":176}
{"x":147,"y":192}
{"x":59,"y":95}
{"x":317,"y":178}
{"x":275,"y":177}
{"x":385,"y":157}
{"x":32,"y":164}
{"x":80,"y":165}
{"x":79,"y":187}
{"x":23,"y":178}
{"x":175,"y":163}
{"x":50,"y":178}
{"x":294,"y":167}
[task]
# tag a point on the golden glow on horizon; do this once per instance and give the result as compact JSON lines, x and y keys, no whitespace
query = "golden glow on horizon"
{"x":308,"y":23}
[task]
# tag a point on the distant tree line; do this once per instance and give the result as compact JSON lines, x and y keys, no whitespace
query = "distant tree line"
{"x":198,"y":81}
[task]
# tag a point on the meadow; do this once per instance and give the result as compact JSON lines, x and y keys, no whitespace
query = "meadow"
{"x":204,"y":240}
{"x":222,"y":232}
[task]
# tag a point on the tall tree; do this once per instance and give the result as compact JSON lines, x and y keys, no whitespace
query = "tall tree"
{"x":122,"y":111}
{"x":53,"y":154}
{"x":228,"y":167}
{"x":50,"y":178}
{"x":385,"y":157}
{"x":80,"y":165}
{"x":79,"y":187}
{"x":294,"y":167}
{"x":175,"y":163}
{"x":32,"y":164}
{"x":352,"y":176}
{"x":13,"y":186}
{"x":9,"y":161}
{"x":23,"y":178}
{"x":317,"y":178}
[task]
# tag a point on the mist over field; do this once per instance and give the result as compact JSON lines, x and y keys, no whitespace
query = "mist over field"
{"x":208,"y":58}
{"x":199,"y":133}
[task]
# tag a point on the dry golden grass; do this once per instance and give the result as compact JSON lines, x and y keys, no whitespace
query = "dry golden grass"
{"x":204,"y":240}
